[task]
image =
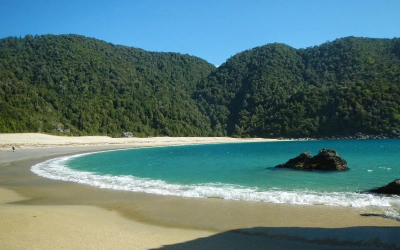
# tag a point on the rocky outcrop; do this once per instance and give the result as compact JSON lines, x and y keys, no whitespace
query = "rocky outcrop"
{"x":326,"y":159}
{"x":394,"y":134}
{"x":391,"y":188}
{"x":299,"y":162}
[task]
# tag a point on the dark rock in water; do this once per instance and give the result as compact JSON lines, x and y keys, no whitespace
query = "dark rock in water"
{"x":391,"y":188}
{"x":300,"y":162}
{"x":327,"y":159}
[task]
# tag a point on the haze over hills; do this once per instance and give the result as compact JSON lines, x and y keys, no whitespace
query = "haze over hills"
{"x":344,"y":87}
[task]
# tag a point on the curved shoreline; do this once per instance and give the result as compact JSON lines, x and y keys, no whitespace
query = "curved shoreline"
{"x":152,"y":221}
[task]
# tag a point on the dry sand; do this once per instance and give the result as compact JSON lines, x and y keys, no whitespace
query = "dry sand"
{"x":38,"y":213}
{"x":34,"y":140}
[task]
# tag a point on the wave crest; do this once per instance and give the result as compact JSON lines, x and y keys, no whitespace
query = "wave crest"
{"x":56,"y":169}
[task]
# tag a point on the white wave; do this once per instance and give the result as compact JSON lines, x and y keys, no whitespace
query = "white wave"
{"x":56,"y":169}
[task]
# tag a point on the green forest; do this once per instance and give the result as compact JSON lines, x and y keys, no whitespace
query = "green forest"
{"x":90,"y":87}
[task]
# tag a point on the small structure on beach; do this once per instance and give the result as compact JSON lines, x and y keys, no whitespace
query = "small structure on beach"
{"x":59,"y":127}
{"x":126,"y":134}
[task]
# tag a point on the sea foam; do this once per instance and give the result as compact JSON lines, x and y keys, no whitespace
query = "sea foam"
{"x":57,"y":169}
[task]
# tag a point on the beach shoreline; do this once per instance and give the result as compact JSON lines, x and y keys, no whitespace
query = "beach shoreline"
{"x":36,"y":213}
{"x":37,"y":140}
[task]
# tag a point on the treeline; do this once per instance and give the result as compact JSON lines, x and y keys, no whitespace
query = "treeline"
{"x":344,"y":87}
{"x":340,"y":88}
{"x":93,"y":87}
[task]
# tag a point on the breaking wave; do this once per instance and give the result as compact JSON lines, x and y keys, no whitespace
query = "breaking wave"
{"x":56,"y":169}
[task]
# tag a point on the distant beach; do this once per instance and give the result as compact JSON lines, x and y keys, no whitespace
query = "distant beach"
{"x":39,"y":213}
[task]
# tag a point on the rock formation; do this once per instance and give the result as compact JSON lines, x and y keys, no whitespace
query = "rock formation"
{"x":391,"y":188}
{"x":326,"y":159}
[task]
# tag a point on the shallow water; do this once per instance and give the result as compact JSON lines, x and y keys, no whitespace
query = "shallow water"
{"x":241,"y":171}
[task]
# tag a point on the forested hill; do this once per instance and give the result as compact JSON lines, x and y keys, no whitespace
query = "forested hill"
{"x":340,"y":88}
{"x":344,"y":87}
{"x":93,"y":87}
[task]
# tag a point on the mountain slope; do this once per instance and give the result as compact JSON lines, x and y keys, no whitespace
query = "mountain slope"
{"x":344,"y":87}
{"x":93,"y":87}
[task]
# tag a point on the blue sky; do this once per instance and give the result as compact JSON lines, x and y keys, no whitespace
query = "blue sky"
{"x":210,"y":29}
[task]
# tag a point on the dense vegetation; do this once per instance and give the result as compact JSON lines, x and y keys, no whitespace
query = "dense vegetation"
{"x":93,"y":87}
{"x":344,"y":87}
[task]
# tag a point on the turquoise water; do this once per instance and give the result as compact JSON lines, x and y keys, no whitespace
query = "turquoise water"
{"x":241,"y":171}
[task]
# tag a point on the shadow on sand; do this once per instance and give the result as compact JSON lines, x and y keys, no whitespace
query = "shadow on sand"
{"x":295,"y":238}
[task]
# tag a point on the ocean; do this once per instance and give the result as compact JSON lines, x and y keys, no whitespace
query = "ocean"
{"x":242,"y":171}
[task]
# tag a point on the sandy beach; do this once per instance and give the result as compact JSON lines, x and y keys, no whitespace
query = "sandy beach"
{"x":39,"y":213}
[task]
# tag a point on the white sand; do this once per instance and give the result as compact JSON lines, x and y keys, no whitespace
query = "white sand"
{"x":36,"y":140}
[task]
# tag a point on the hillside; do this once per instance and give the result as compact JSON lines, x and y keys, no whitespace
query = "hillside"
{"x":344,"y":87}
{"x":93,"y":87}
{"x":340,"y":88}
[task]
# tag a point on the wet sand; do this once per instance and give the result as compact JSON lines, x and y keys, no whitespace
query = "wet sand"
{"x":39,"y":213}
